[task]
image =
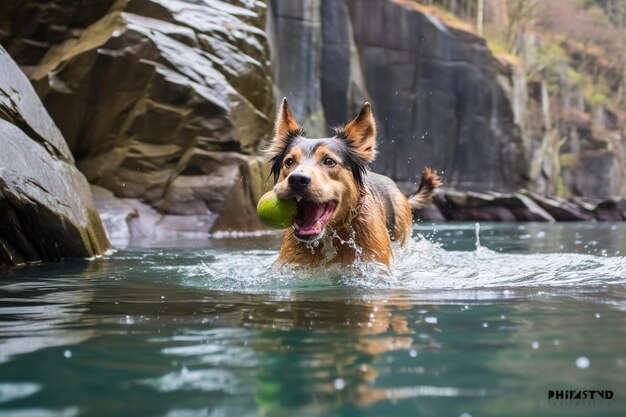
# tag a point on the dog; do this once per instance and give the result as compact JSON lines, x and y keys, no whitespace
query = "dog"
{"x":345,"y":211}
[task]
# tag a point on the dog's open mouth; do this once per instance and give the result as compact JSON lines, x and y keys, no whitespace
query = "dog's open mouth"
{"x":312,"y":218}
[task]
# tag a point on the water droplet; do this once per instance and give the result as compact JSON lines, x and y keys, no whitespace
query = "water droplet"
{"x":431,"y":320}
{"x":598,"y":315}
{"x":535,"y":344}
{"x":67,"y":353}
{"x":485,"y":324}
{"x":412,"y":353}
{"x":582,"y":362}
{"x":339,"y":383}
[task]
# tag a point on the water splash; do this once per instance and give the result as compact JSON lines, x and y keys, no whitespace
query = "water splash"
{"x":421,"y":264}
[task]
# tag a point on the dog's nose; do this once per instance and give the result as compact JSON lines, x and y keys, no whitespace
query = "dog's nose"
{"x":298,"y":181}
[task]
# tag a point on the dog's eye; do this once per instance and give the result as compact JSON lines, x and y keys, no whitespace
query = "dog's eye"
{"x":289,"y":162}
{"x":329,"y":162}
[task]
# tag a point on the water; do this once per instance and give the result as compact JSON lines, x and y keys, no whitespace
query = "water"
{"x":462,"y":327}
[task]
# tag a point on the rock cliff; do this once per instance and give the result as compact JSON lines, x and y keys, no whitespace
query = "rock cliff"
{"x":46,"y":206}
{"x":167,"y":102}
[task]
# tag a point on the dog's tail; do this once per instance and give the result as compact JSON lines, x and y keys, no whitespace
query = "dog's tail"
{"x":426,"y":190}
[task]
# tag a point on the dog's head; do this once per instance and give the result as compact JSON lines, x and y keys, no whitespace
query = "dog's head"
{"x":325,"y":175}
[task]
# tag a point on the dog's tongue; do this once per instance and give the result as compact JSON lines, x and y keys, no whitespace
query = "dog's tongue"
{"x":308,"y":218}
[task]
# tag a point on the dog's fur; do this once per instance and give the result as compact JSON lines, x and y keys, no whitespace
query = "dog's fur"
{"x":331,"y":176}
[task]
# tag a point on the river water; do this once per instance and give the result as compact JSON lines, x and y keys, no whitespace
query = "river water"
{"x":471,"y":321}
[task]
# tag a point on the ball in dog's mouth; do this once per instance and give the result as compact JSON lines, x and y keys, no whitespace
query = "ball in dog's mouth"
{"x":312,"y":219}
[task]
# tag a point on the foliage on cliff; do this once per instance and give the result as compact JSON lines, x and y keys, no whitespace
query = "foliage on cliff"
{"x":572,"y":57}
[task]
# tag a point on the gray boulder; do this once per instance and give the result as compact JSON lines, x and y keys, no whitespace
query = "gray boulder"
{"x":46,"y":205}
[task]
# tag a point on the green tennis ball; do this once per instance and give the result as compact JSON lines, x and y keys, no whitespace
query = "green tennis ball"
{"x":276,"y":213}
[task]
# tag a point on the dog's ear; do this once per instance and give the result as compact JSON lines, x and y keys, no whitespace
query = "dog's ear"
{"x":360,"y":134}
{"x":286,"y":128}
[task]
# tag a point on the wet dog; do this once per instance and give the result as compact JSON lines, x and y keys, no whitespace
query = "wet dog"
{"x":345,"y":211}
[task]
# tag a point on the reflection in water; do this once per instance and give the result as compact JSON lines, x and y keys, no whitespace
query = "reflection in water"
{"x":49,"y":316}
{"x":208,"y":332}
{"x":309,"y":375}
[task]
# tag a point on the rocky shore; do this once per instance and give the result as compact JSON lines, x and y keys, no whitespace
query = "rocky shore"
{"x":456,"y":205}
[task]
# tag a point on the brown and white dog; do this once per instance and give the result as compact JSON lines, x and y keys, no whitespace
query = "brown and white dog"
{"x":340,"y":201}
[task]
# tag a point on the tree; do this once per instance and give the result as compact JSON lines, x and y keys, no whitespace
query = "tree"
{"x":521,"y":15}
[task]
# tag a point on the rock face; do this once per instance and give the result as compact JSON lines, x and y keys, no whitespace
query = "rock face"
{"x":46,"y":205}
{"x":28,"y":28}
{"x":167,"y":102}
{"x":436,"y":90}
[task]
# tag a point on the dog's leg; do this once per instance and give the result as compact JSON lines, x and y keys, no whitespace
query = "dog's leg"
{"x":403,"y":218}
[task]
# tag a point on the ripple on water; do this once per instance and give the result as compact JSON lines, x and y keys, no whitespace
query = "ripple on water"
{"x":13,"y":391}
{"x":419,"y":265}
